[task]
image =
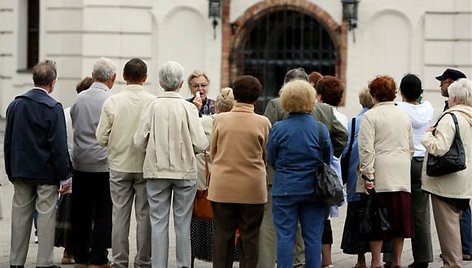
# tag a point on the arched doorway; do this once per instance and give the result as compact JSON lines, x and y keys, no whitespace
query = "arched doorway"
{"x":277,"y":41}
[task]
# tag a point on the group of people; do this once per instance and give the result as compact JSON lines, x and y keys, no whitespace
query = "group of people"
{"x":156,"y":151}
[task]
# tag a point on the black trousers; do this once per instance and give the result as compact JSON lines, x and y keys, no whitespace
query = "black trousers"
{"x":91,"y":217}
{"x":226,"y":218}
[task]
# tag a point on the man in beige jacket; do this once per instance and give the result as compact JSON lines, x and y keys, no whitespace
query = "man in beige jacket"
{"x":118,"y":123}
{"x":170,"y":133}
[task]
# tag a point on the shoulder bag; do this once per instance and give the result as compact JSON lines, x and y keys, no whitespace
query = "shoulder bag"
{"x":345,"y":159}
{"x":201,"y":205}
{"x":453,"y":160}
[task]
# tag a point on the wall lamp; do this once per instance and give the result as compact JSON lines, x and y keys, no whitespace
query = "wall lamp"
{"x":350,"y":14}
{"x":214,"y":12}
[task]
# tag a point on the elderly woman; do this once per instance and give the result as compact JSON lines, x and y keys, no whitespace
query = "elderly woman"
{"x":202,"y":229}
{"x":352,"y":243}
{"x":297,"y":146}
{"x":451,"y":193}
{"x":198,"y":83}
{"x":238,"y":186}
{"x":385,"y":151}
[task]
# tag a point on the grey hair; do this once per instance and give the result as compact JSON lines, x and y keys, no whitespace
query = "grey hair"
{"x":103,"y":70}
{"x":461,"y":90}
{"x":44,"y":73}
{"x":171,"y":75}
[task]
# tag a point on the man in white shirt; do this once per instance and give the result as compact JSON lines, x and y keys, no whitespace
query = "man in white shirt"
{"x":118,"y":123}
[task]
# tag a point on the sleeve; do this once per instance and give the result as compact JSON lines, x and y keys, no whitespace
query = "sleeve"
{"x":104,"y":125}
{"x":439,"y":143}
{"x":338,"y":135}
{"x":366,"y":147}
{"x":272,"y":143}
{"x":57,"y":138}
{"x":141,"y":136}
{"x":7,"y":139}
{"x":197,"y":134}
{"x":326,"y":146}
{"x":214,"y":139}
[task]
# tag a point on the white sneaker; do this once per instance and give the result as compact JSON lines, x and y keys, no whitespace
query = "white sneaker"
{"x":36,"y":239}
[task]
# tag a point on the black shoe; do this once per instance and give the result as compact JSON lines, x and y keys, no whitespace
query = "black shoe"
{"x":418,"y":265}
{"x":52,"y":266}
{"x":466,"y":257}
{"x":17,"y":266}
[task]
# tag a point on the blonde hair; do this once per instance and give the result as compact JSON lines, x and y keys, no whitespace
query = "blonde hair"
{"x":365,"y":99}
{"x":195,"y":74}
{"x":225,"y":100}
{"x":297,"y":96}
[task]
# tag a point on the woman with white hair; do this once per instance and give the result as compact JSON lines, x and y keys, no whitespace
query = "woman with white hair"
{"x":451,"y":193}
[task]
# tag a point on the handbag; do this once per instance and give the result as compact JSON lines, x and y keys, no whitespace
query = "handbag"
{"x":327,"y":186}
{"x":372,"y":216}
{"x":201,"y":205}
{"x":453,"y":160}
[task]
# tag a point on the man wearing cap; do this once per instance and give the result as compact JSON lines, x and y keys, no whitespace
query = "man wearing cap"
{"x":447,"y":78}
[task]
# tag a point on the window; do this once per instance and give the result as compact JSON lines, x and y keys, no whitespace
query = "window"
{"x":33,"y":34}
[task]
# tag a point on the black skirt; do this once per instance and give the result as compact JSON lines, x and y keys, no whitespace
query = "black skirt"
{"x":63,"y":232}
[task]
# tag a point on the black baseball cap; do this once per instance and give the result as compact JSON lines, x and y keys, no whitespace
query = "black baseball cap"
{"x":452,"y":74}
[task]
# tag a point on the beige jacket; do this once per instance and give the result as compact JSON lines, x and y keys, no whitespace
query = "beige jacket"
{"x":238,"y":152}
{"x":207,"y":123}
{"x":386,"y":148}
{"x":170,"y":133}
{"x":117,"y":125}
{"x":457,"y":184}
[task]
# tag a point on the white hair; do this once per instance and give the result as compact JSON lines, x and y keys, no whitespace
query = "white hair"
{"x":103,"y":69}
{"x":171,"y":75}
{"x":461,"y":90}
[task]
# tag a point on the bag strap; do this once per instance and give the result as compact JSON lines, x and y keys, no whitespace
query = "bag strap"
{"x":353,"y":130}
{"x":456,"y":124}
{"x":207,"y":170}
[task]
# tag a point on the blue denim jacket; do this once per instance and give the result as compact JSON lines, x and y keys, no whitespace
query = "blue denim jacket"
{"x":295,"y":150}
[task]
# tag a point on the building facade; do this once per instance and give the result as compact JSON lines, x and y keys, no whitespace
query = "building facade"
{"x":262,"y":38}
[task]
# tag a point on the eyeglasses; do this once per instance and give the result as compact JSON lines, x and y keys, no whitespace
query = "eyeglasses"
{"x":204,"y":85}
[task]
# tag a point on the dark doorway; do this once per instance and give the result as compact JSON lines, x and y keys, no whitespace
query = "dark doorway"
{"x":279,"y":41}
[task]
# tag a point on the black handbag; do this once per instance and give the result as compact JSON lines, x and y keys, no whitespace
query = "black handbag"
{"x":373,"y":217}
{"x":328,"y":188}
{"x":452,"y":161}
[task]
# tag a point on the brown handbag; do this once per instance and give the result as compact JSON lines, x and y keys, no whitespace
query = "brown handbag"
{"x":201,"y":205}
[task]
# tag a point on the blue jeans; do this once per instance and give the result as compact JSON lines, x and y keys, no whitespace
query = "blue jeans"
{"x":287,"y":211}
{"x":466,"y":232}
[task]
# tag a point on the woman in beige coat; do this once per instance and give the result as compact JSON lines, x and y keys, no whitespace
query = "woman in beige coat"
{"x":385,"y":151}
{"x":238,"y":187}
{"x":451,"y":193}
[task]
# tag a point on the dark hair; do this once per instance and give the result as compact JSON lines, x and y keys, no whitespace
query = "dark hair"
{"x":246,"y":89}
{"x":44,"y":73}
{"x":296,"y":73}
{"x":135,"y":70}
{"x":383,"y":88}
{"x":330,"y":89}
{"x":84,"y":84}
{"x":410,"y":87}
{"x":314,"y":77}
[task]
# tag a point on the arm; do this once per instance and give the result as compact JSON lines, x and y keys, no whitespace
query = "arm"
{"x":104,"y":125}
{"x":437,"y":141}
{"x":7,"y":139}
{"x":214,"y":140}
{"x":272,"y":151}
{"x":141,"y":136}
{"x":57,"y":138}
{"x":339,"y":136}
{"x":366,"y":148}
{"x":199,"y":139}
{"x":326,"y":144}
{"x":271,"y":112}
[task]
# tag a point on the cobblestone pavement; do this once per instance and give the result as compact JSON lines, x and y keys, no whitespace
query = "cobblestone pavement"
{"x":339,"y":259}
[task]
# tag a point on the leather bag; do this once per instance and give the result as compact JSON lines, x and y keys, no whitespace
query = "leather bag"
{"x":201,"y":205}
{"x":453,"y":160}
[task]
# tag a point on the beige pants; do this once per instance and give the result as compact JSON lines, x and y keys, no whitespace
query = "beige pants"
{"x":27,"y":196}
{"x":447,"y":219}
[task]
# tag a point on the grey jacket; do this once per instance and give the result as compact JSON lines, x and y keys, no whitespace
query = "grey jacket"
{"x":88,"y":155}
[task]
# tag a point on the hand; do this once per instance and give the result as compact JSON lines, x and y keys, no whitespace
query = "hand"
{"x":64,"y":188}
{"x":431,"y":129}
{"x":197,"y":101}
{"x":369,"y":185}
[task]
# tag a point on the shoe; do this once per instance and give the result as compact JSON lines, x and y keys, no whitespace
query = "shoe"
{"x":52,"y":266}
{"x":466,"y":257}
{"x":36,"y":240}
{"x":80,"y":265}
{"x":387,"y":265}
{"x":359,"y":266}
{"x":418,"y":265}
{"x":67,"y":260}
{"x":17,"y":266}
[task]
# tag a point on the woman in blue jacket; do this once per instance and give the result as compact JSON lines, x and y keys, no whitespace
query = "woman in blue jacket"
{"x":297,"y":146}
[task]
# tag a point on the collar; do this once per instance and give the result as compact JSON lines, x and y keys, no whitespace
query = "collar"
{"x":42,"y":89}
{"x":384,"y":103}
{"x":100,"y":85}
{"x":134,"y":87}
{"x":243,"y":107}
{"x":170,"y":94}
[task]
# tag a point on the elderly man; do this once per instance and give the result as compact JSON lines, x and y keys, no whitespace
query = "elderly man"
{"x":36,"y":162}
{"x":170,"y":134}
{"x":115,"y":131}
{"x":91,"y":202}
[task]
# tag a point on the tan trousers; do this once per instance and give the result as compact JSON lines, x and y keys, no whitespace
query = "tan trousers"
{"x":27,"y":196}
{"x":447,"y":218}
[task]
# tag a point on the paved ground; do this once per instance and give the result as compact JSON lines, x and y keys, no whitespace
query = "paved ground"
{"x":339,"y":259}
